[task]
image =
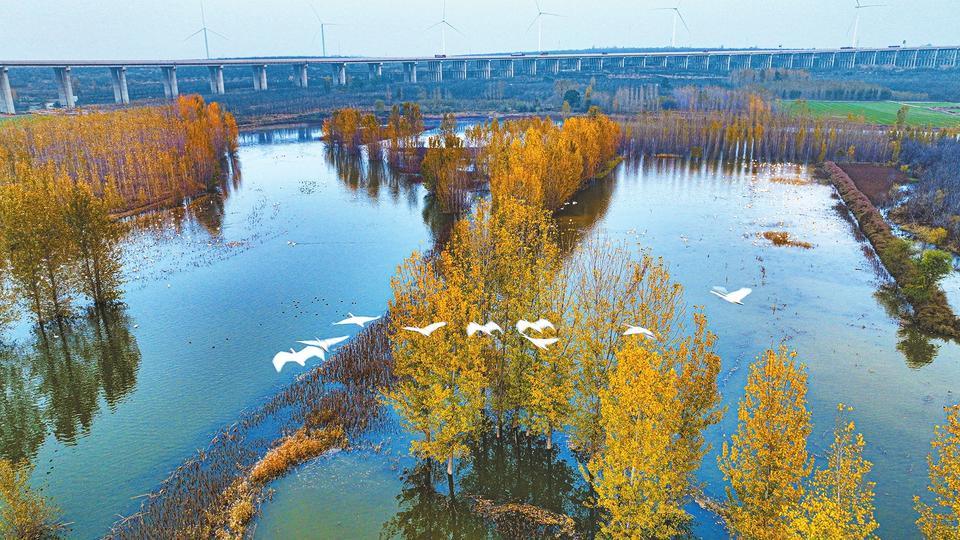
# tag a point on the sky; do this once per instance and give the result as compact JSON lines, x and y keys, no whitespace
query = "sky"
{"x":156,"y":29}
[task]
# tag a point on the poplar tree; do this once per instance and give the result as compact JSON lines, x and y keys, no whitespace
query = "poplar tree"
{"x":942,"y":518}
{"x":839,"y":500}
{"x":767,"y":461}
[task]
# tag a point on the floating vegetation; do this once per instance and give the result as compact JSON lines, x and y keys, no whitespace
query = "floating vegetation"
{"x":520,"y":520}
{"x":791,"y":181}
{"x":782,"y":238}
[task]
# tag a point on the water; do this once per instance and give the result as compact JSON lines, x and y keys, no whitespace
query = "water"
{"x":214,"y":292}
{"x":704,"y":220}
{"x":216,"y":289}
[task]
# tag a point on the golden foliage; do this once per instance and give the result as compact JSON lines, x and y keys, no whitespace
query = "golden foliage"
{"x":942,"y":519}
{"x":839,"y":502}
{"x":130,"y":157}
{"x":767,"y":460}
{"x":24,"y":513}
{"x":540,"y":162}
{"x":658,"y":400}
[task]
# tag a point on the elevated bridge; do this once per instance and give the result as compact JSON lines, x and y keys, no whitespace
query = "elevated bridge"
{"x":486,"y":66}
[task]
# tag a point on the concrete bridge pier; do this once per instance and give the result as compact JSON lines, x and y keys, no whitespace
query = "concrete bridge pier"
{"x":6,"y":92}
{"x":532,"y":67}
{"x":216,"y":79}
{"x":410,"y":72}
{"x":170,"y":87}
{"x":578,"y":64}
{"x":65,"y":85}
{"x":259,"y":77}
{"x":553,"y":67}
{"x":486,"y":68}
{"x":508,"y":68}
{"x":339,"y":74}
{"x":119,"y":77}
{"x":376,"y":70}
{"x":462,"y":70}
{"x":436,"y":71}
{"x":300,"y":75}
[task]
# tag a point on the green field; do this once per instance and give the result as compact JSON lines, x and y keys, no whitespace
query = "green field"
{"x":922,"y":113}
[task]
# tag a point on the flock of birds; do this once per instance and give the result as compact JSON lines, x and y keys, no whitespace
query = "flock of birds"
{"x":318,"y":348}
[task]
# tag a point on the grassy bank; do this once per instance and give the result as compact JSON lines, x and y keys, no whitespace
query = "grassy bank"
{"x":932,"y":312}
{"x":933,"y":114}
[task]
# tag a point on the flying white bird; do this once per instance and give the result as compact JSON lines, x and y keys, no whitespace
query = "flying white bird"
{"x":487,"y":329}
{"x":357,"y":320}
{"x":639,"y":330}
{"x":540,"y":325}
{"x":735,"y":297}
{"x":324,"y":344}
{"x":299,"y":357}
{"x":541,"y":343}
{"x":426,"y":330}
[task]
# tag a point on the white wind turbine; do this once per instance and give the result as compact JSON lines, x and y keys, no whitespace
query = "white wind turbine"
{"x":323,"y":27}
{"x":443,"y":24}
{"x":856,"y":19}
{"x":676,"y":15}
{"x":538,"y":20}
{"x":204,"y":30}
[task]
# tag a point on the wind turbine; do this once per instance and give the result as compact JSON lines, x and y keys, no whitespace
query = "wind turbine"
{"x":856,"y":20}
{"x":443,"y":24}
{"x":538,"y":20}
{"x":676,"y":15}
{"x":205,"y":30}
{"x":323,"y":26}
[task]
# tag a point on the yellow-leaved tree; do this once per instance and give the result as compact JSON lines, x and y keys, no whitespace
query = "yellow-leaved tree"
{"x":839,"y":500}
{"x":942,"y":519}
{"x":659,"y":399}
{"x":441,"y":378}
{"x":767,"y":461}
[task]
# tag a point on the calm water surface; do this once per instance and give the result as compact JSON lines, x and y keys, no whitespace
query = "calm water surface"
{"x":704,"y":220}
{"x":215,"y":289}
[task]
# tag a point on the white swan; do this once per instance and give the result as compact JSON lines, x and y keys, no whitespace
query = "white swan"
{"x":735,"y":297}
{"x":357,"y":320}
{"x":488,"y":329}
{"x":299,"y":357}
{"x":426,"y":330}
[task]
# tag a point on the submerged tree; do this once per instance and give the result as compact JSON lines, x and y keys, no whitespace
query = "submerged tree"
{"x":942,"y":519}
{"x":95,"y":238}
{"x":767,"y":460}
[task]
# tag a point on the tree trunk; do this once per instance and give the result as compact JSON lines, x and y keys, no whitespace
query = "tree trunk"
{"x":450,"y":467}
{"x":550,"y":438}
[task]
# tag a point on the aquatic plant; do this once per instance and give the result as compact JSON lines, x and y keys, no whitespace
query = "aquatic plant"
{"x":782,"y":238}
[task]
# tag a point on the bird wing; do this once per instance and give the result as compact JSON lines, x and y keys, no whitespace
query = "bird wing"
{"x":739,"y":294}
{"x":472,"y":328}
{"x":638,"y":330}
{"x":415,"y":329}
{"x":720,"y":290}
{"x":309,"y":352}
{"x":348,"y":320}
{"x":542,"y":343}
{"x":523,"y":325}
{"x":542,"y":324}
{"x":325,"y":344}
{"x":432,"y":327}
{"x":280,"y":359}
{"x":314,"y":342}
{"x":492,"y":327}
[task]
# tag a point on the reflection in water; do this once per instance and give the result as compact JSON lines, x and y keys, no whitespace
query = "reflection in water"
{"x":58,"y":382}
{"x":512,"y":469}
{"x":371,"y":176}
{"x":426,"y":513}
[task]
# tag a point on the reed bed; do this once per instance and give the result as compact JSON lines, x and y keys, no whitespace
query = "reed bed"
{"x":193,"y":500}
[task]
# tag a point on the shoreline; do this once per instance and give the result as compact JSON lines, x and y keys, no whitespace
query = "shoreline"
{"x":933,"y":315}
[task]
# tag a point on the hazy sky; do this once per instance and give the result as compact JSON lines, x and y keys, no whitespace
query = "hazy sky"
{"x":135,"y":29}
